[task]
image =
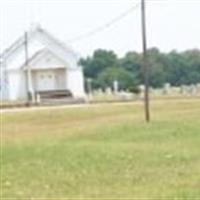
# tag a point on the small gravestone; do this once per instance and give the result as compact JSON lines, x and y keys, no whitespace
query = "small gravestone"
{"x":166,"y":88}
{"x":183,"y":90}
{"x":108,"y":91}
{"x":100,"y":91}
{"x":193,"y":90}
{"x":142,"y":89}
{"x":125,"y":96}
{"x":115,"y":87}
{"x":198,"y":88}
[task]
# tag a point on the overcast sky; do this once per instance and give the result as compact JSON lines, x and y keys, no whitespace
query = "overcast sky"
{"x":171,"y":24}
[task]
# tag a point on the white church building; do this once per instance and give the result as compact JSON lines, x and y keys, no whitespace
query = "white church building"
{"x":37,"y":63}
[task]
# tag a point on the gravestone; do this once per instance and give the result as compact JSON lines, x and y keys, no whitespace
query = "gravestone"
{"x":108,"y":91}
{"x":183,"y":90}
{"x":166,"y":88}
{"x":142,"y":89}
{"x":115,"y":87}
{"x":193,"y":90}
{"x":198,"y":88}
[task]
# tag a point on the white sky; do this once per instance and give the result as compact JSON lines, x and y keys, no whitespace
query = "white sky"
{"x":171,"y":24}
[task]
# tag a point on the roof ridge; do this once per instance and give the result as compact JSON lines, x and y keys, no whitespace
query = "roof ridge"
{"x":21,"y":40}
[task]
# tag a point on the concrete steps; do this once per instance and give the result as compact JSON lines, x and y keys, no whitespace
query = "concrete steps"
{"x":58,"y":97}
{"x":61,"y":101}
{"x":54,"y":94}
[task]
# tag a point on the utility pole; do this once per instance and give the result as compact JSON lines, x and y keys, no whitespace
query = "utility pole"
{"x":144,"y":63}
{"x":29,"y":85}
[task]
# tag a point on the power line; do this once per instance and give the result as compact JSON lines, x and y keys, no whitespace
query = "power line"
{"x":104,"y":26}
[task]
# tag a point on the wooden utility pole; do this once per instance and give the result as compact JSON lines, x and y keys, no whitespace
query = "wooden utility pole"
{"x":145,"y":67}
{"x":29,"y":85}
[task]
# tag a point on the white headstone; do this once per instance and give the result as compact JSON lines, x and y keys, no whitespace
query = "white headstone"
{"x":166,"y":88}
{"x":108,"y":91}
{"x":193,"y":90}
{"x":141,"y":88}
{"x":115,"y":86}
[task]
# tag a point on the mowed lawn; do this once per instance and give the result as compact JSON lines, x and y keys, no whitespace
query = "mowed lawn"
{"x":102,"y":152}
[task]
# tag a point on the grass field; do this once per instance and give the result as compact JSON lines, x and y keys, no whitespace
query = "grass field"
{"x":102,"y":152}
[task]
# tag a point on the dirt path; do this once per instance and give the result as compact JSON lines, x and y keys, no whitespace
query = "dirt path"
{"x":29,"y":109}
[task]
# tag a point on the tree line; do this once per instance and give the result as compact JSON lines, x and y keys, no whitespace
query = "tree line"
{"x":177,"y":68}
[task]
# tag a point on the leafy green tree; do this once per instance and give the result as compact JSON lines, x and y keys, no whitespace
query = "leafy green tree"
{"x":125,"y":79}
{"x":131,"y":62}
{"x":156,"y":64}
{"x":192,"y":57}
{"x":100,"y":60}
{"x":176,"y":68}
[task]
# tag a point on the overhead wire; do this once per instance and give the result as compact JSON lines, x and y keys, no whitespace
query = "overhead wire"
{"x":104,"y":26}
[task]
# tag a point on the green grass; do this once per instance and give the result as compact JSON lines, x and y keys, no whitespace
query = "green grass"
{"x":103,"y":152}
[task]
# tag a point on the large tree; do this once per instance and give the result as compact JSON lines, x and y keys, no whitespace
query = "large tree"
{"x":100,"y":60}
{"x":176,"y":68}
{"x":131,"y":62}
{"x":156,"y":63}
{"x":125,"y":79}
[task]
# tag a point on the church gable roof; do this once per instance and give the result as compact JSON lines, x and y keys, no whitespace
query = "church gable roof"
{"x":44,"y":59}
{"x":59,"y":49}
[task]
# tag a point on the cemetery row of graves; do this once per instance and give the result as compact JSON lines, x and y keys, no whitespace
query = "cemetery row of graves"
{"x":113,"y":93}
{"x":176,"y":68}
